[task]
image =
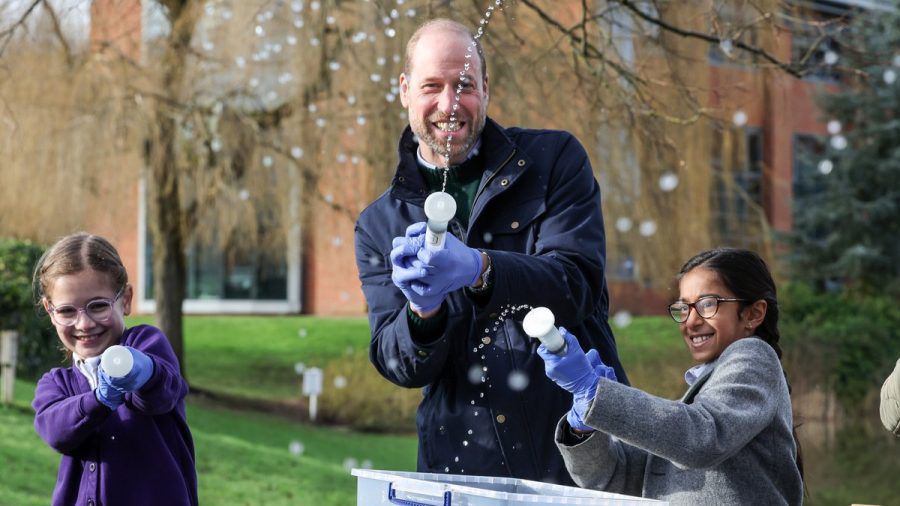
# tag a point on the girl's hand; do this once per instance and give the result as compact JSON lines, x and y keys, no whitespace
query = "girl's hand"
{"x":141,"y":371}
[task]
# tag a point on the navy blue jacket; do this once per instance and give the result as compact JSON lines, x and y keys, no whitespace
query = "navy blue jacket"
{"x":537,"y":214}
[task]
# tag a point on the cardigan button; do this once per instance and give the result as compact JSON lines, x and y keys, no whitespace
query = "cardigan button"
{"x":92,"y":467}
{"x":521,"y":163}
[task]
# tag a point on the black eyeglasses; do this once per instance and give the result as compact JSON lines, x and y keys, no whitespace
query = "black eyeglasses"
{"x":706,"y":307}
{"x":98,"y":310}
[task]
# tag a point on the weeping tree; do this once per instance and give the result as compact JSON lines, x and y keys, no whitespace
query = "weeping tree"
{"x":241,"y":114}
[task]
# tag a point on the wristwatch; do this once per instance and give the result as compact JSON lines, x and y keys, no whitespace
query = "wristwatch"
{"x":486,"y":276}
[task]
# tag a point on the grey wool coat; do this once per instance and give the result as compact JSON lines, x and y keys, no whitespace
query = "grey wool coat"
{"x":728,"y":441}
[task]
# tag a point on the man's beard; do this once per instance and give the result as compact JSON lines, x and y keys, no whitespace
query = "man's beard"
{"x":424,"y":135}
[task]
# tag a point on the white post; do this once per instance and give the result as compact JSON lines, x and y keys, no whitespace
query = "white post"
{"x":9,"y":341}
{"x":312,"y":386}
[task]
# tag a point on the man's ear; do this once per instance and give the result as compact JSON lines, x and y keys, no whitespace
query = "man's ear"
{"x":755,"y":314}
{"x":404,"y":89}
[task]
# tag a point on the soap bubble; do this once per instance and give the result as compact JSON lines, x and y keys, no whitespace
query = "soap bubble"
{"x":623,"y":224}
{"x":839,"y":142}
{"x":739,"y":118}
{"x":834,"y":127}
{"x":475,"y":374}
{"x":517,"y":381}
{"x":296,"y":448}
{"x":668,"y":182}
{"x":622,"y":319}
{"x":826,"y":166}
{"x":647,"y":228}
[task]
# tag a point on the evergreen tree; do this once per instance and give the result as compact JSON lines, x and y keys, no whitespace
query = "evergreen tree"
{"x":847,"y":229}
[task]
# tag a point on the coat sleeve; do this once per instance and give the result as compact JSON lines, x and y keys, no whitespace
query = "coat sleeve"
{"x":166,"y":388}
{"x":65,"y":419}
{"x":738,"y":401}
{"x":566,"y":270}
{"x":393,"y":351}
{"x":602,"y":462}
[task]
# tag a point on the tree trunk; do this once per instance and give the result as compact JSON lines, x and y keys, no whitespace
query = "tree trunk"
{"x":169,"y":273}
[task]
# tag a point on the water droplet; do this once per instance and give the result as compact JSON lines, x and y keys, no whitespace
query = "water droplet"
{"x":455,"y":459}
{"x":647,"y":228}
{"x":381,"y":60}
{"x":330,"y":20}
{"x":375,"y":78}
{"x":488,"y":237}
{"x":298,"y":23}
{"x":474,"y":374}
{"x":328,"y":198}
{"x":668,"y":182}
{"x":215,"y":145}
{"x":350,"y":463}
{"x":227,"y":14}
{"x":240,"y":61}
{"x":834,"y":127}
{"x":340,"y":382}
{"x":267,"y":161}
{"x":360,"y":120}
{"x":393,"y":363}
{"x":465,"y":443}
{"x":446,"y":469}
{"x":739,"y":118}
{"x":334,"y":66}
{"x":296,"y":448}
{"x":314,"y":5}
{"x":622,"y":319}
{"x":517,"y":381}
{"x":299,"y":367}
{"x":410,"y":13}
{"x":390,"y":32}
{"x":321,"y":122}
{"x":244,"y":195}
{"x":623,"y":224}
{"x":254,"y":82}
{"x":314,"y":41}
{"x":889,"y":76}
{"x":469,"y":432}
{"x":297,"y":152}
{"x":259,"y":30}
{"x":297,"y":6}
{"x":366,"y":464}
{"x":831,"y":58}
{"x":826,"y":166}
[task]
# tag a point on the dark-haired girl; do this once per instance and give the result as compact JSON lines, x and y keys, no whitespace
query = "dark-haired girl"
{"x":730,"y":439}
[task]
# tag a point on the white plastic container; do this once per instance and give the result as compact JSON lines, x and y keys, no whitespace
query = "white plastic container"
{"x":428,"y":489}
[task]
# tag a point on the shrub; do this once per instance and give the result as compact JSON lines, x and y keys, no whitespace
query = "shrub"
{"x":38,"y":345}
{"x":843,"y":340}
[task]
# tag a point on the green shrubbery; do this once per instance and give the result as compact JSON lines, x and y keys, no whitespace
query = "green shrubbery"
{"x":38,"y":344}
{"x":845,"y":341}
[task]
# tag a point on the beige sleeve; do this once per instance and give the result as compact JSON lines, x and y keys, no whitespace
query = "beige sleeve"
{"x":890,"y":401}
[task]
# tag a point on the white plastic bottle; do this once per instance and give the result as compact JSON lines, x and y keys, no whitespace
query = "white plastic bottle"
{"x":440,"y":209}
{"x":539,"y":323}
{"x":117,"y":361}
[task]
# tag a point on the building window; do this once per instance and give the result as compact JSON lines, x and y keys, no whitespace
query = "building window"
{"x":738,"y":215}
{"x":732,"y":23}
{"x":814,"y":27}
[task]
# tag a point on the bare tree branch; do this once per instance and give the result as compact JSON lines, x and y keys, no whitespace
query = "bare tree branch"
{"x":57,"y":30}
{"x":6,"y":35}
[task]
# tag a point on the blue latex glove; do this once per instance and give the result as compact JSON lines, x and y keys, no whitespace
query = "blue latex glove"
{"x":450,"y":268}
{"x":106,"y":393}
{"x":408,"y":270}
{"x":578,"y":373}
{"x":141,"y":371}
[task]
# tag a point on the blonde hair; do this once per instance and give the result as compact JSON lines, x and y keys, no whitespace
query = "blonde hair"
{"x":73,"y":254}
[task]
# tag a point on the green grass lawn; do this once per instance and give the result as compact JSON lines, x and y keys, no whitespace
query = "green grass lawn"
{"x":242,"y":458}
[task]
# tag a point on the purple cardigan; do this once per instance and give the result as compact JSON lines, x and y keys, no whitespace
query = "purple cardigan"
{"x":142,"y":453}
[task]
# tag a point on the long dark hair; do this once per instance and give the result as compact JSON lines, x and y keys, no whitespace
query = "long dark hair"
{"x":747,"y":276}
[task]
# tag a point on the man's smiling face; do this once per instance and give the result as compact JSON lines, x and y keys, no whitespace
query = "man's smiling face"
{"x":437,"y":68}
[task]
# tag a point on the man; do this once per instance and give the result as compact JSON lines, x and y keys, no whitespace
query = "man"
{"x":528,"y":231}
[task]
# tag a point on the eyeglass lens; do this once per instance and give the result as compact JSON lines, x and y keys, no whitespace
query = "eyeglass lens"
{"x":97,"y":310}
{"x":705,"y":307}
